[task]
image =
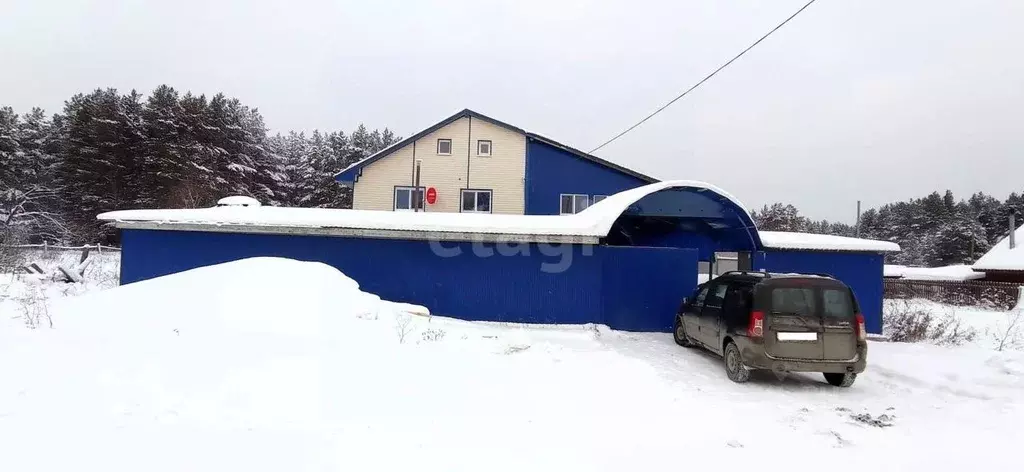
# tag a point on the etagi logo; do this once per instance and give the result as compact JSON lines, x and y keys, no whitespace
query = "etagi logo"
{"x":555,"y":257}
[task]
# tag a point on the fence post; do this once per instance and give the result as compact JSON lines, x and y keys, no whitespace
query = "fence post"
{"x":99,"y":248}
{"x":45,"y":246}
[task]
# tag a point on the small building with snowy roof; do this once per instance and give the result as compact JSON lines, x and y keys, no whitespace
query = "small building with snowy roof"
{"x":472,"y":163}
{"x":1005,"y":261}
{"x":626,"y":261}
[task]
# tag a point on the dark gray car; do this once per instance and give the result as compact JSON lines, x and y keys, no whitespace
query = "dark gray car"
{"x":780,"y":322}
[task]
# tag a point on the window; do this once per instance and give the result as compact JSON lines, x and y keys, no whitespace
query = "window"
{"x":837,"y":303}
{"x":793,"y":301}
{"x":573,"y":203}
{"x":444,"y":147}
{"x":738,"y":302}
{"x":598,"y":198}
{"x":717,"y":295}
{"x":483,"y":148}
{"x":406,"y":198}
{"x":476,"y":201}
{"x":699,"y":301}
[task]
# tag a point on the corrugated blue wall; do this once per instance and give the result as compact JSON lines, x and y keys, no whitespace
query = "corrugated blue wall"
{"x":551,"y":171}
{"x":598,"y":284}
{"x":495,"y":288}
{"x":643,"y":286}
{"x":861,"y":271}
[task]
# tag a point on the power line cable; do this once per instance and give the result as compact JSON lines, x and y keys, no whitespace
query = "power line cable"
{"x":705,"y":79}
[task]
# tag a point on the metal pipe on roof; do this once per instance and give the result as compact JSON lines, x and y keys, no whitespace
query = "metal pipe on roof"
{"x":1013,"y":227}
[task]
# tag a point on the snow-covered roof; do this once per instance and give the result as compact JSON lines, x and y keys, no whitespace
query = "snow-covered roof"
{"x":1001,"y":257}
{"x":584,"y":227}
{"x":239,"y":200}
{"x":953,"y":273}
{"x":823,"y":242}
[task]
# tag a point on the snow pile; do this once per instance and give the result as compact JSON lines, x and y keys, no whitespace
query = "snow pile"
{"x":1001,"y":257}
{"x":269,"y":364}
{"x":823,"y":242}
{"x":239,"y":201}
{"x":953,"y":273}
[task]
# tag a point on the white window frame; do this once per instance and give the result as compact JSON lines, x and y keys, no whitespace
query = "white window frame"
{"x":597,"y":198}
{"x":490,"y":147}
{"x":575,"y":198}
{"x":449,"y":141}
{"x":476,"y":195}
{"x":412,"y":190}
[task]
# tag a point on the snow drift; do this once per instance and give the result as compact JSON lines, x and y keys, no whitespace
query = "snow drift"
{"x":270,"y":364}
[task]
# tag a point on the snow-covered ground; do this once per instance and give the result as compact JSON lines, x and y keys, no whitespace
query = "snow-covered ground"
{"x":24,"y":296}
{"x":992,"y":328}
{"x":271,"y":364}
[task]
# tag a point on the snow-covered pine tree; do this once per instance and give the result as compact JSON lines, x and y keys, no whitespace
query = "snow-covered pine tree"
{"x":324,"y":163}
{"x":960,"y":241}
{"x":292,"y":151}
{"x":199,"y":187}
{"x":9,"y":147}
{"x":165,"y":156}
{"x":987,"y":210}
{"x":780,"y":217}
{"x":37,"y":140}
{"x":103,"y":139}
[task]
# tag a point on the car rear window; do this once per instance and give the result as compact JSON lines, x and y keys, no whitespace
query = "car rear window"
{"x":793,"y":300}
{"x":837,"y":303}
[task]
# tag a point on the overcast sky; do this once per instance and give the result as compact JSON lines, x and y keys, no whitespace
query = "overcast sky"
{"x":877,"y":100}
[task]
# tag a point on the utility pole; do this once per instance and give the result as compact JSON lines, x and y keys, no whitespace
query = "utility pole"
{"x":858,"y":219}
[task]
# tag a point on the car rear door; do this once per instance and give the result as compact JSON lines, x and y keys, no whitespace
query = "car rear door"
{"x":839,"y":323}
{"x":691,"y":313}
{"x":736,"y":314}
{"x":712,"y":313}
{"x":793,"y":327}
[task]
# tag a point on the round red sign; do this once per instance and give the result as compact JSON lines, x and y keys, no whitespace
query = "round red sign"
{"x":431,"y":195}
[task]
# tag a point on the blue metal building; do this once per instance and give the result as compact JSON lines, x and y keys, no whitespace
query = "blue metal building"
{"x":553,"y":169}
{"x":625,"y":262}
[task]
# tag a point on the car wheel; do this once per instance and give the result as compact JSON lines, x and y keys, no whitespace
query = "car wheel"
{"x":679,"y":334}
{"x":734,"y":367}
{"x":840,"y":380}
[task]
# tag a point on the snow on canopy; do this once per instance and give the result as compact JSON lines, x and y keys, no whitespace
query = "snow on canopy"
{"x":1001,"y":257}
{"x":594,"y":222}
{"x":238,"y":201}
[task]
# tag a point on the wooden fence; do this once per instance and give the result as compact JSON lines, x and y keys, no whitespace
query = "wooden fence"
{"x":1000,"y":295}
{"x":52,"y":247}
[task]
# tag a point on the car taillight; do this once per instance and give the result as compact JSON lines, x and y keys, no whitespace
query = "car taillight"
{"x":756,"y":327}
{"x":862,"y":332}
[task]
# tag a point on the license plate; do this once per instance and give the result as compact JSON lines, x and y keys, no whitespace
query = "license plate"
{"x":796,"y":336}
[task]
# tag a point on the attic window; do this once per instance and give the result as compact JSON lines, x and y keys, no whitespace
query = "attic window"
{"x":483,"y":148}
{"x":444,"y":147}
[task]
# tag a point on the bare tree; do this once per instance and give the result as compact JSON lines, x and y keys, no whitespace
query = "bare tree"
{"x":1010,"y":337}
{"x":22,"y":214}
{"x":403,"y":326}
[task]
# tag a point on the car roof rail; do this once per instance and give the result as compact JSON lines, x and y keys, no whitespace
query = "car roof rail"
{"x":748,"y":272}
